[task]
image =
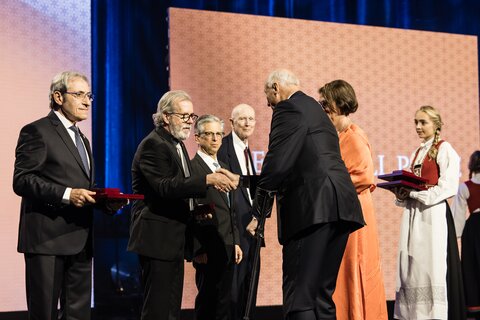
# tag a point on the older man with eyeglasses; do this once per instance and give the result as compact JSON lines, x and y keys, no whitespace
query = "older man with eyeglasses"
{"x":54,"y":172}
{"x":162,"y":171}
{"x":218,"y":247}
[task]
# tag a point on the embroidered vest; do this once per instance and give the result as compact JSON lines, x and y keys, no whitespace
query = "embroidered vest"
{"x":473,"y":200}
{"x":429,"y":169}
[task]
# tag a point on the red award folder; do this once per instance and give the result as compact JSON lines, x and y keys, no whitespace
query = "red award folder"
{"x":402,"y":178}
{"x":115,"y":194}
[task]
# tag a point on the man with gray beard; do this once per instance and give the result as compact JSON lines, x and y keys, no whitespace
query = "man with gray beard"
{"x":161,"y":171}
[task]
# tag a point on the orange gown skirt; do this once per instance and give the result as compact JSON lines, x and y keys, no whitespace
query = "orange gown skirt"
{"x":360,"y":291}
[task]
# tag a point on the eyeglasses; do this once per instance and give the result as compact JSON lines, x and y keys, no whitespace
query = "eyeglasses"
{"x":82,"y":95}
{"x":184,"y":116}
{"x":210,"y":134}
{"x":324,"y":105}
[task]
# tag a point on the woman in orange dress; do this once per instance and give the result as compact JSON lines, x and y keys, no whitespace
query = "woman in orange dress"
{"x":360,"y":292}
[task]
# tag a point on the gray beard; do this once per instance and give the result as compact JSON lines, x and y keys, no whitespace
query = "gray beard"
{"x":178,"y":133}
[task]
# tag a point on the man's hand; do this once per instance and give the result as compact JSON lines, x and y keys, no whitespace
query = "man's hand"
{"x":238,"y":254}
{"x":401,"y":193}
{"x":114,"y":205}
{"x":201,"y":258}
{"x":81,"y":197}
{"x":203,"y":212}
{"x":220,"y":182}
{"x":235,"y":178}
{"x":252,"y":226}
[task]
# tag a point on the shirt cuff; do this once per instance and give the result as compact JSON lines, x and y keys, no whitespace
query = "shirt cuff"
{"x":66,"y":196}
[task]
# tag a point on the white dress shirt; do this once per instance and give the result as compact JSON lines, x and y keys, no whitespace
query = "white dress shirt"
{"x":460,"y":207}
{"x":239,"y":147}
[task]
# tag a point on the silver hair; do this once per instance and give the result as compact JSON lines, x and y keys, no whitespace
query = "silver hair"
{"x":236,"y":110}
{"x":283,"y":77}
{"x":60,"y":83}
{"x":166,"y":105}
{"x":204,"y":119}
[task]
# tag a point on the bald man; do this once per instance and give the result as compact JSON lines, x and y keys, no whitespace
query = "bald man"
{"x":236,"y":154}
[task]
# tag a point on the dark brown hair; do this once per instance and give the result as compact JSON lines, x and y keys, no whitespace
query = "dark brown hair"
{"x":474,"y":163}
{"x":341,"y":94}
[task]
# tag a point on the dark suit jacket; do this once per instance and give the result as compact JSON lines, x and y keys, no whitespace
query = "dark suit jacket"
{"x":47,"y":162}
{"x":158,"y":223}
{"x":222,"y":229}
{"x":304,"y":165}
{"x":243,"y":207}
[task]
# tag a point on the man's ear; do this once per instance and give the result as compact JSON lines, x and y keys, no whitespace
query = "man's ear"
{"x":275,"y":87}
{"x":165,"y":118}
{"x":231,"y":121}
{"x":57,"y":97}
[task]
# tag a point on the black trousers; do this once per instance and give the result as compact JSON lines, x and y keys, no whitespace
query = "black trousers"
{"x":242,"y":275}
{"x":162,"y":288}
{"x":310,"y":268}
{"x":214,"y":284}
{"x":50,"y":279}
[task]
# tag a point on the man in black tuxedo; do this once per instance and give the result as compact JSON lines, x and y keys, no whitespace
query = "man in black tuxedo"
{"x":317,"y":206}
{"x":217,"y":249}
{"x":162,"y":171}
{"x":53,"y":174}
{"x":235,"y":153}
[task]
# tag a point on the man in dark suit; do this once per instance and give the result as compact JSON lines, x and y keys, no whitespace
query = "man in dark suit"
{"x":161,"y":170}
{"x":53,"y":174}
{"x":317,"y":206}
{"x":235,"y":153}
{"x":218,"y":246}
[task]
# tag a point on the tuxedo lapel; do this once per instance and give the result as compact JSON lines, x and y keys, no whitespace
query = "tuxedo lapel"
{"x":163,"y":134}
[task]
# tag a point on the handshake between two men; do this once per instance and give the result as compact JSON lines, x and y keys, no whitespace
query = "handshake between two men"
{"x":223,"y":180}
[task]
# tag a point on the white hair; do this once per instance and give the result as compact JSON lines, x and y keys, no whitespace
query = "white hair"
{"x":283,"y":77}
{"x":166,"y":104}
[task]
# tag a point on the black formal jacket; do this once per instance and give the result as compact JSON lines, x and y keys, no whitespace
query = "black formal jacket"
{"x":303,"y":164}
{"x":158,"y":223}
{"x":243,"y":206}
{"x":47,"y":162}
{"x":222,"y":231}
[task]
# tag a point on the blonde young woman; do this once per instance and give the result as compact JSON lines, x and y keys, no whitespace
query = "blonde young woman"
{"x":360,"y":292}
{"x":429,"y":282}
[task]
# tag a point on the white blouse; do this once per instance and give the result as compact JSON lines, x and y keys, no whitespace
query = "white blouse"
{"x":460,"y":207}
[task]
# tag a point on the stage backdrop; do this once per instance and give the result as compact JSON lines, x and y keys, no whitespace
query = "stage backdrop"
{"x":39,"y":38}
{"x":222,"y":59}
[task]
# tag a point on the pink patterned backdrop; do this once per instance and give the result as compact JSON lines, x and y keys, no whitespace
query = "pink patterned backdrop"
{"x":222,"y":60}
{"x":39,"y":38}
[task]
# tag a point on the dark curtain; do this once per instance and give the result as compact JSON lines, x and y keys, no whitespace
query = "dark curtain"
{"x":129,"y":61}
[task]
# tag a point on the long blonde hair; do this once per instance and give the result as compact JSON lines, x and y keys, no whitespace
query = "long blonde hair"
{"x":434,"y":115}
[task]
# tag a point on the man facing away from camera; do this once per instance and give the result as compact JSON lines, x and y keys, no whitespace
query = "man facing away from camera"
{"x":317,"y":205}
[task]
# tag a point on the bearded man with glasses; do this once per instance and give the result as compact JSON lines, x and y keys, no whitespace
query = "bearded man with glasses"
{"x":162,"y":171}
